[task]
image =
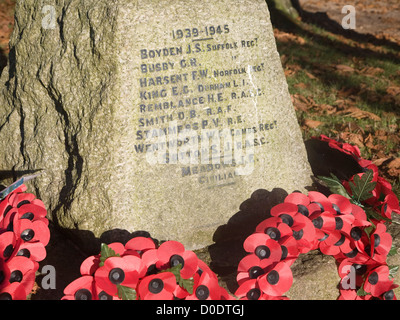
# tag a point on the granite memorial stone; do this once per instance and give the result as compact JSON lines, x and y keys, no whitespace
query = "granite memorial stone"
{"x":161,"y":116}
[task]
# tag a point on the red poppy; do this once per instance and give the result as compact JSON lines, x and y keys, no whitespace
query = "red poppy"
{"x":23,"y":204}
{"x":390,"y":204}
{"x":324,"y":224}
{"x":377,"y":281}
{"x":381,"y":242}
{"x":205,"y":287}
{"x":304,"y":233}
{"x":203,"y":267}
{"x":335,"y":243}
{"x":31,"y":212}
{"x":322,"y":201}
{"x":19,"y":269}
{"x":297,"y":198}
{"x":340,"y":204}
{"x":85,"y":288}
{"x":172,"y":253}
{"x":251,"y":267}
{"x":125,"y":270}
{"x":360,"y":216}
{"x":263,"y":247}
{"x":302,"y":228}
{"x":347,"y":148}
{"x":80,"y":289}
{"x":8,"y":219}
{"x":8,"y":242}
{"x":290,"y":251}
{"x":140,"y":245}
{"x":338,"y":241}
{"x":90,"y":265}
{"x":284,"y":209}
{"x":18,"y":199}
{"x":118,"y":248}
{"x":32,"y":231}
{"x":149,"y":260}
{"x":14,"y":291}
{"x":389,"y":295}
{"x":157,"y":286}
{"x":360,"y":239}
{"x":33,"y":250}
{"x":354,"y":255}
{"x":275,"y":228}
{"x":250,"y":290}
{"x":349,"y":268}
{"x":276,"y":280}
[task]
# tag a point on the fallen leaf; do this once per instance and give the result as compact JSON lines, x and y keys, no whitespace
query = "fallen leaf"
{"x":312,"y":124}
{"x":380,"y":161}
{"x":356,"y":139}
{"x":393,"y":91}
{"x":354,"y":128}
{"x":348,"y":92}
{"x":353,"y":138}
{"x":394,"y":167}
{"x":369,"y":142}
{"x":357,"y":113}
{"x":301,"y":85}
{"x":325,"y":108}
{"x":372,"y":71}
{"x":302,"y":103}
{"x":344,"y":68}
{"x":288,"y":37}
{"x":394,"y":139}
{"x":381,"y":135}
{"x":311,"y":76}
{"x":343,"y":103}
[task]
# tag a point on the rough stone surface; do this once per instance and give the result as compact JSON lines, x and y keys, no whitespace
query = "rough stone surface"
{"x":87,"y":79}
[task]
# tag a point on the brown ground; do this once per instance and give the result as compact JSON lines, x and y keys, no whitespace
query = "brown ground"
{"x":6,"y":27}
{"x":379,"y":18}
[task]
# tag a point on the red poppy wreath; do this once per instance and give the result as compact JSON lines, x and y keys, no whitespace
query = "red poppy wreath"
{"x":143,"y":270}
{"x":24,"y":234}
{"x":349,"y":225}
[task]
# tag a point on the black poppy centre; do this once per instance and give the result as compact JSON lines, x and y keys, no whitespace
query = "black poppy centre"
{"x":262,"y":252}
{"x":116,"y":276}
{"x":255,"y":272}
{"x":83,"y":294}
{"x":273,"y":277}
{"x":176,"y":260}
{"x":156,"y":286}
{"x":274,"y":233}
{"x":202,"y":292}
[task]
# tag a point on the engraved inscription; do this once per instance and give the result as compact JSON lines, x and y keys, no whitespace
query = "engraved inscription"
{"x":191,"y":99}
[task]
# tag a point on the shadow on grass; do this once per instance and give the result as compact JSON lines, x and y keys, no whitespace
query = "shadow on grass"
{"x":327,"y":48}
{"x":322,"y":20}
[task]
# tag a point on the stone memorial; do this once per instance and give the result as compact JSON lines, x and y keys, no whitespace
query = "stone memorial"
{"x":161,"y":116}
